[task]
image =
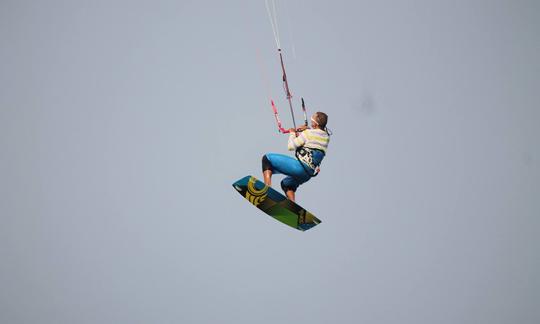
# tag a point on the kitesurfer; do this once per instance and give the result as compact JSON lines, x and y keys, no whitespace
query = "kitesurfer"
{"x":310,"y":145}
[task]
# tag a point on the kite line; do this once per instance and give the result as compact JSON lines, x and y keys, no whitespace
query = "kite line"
{"x":271,"y":9}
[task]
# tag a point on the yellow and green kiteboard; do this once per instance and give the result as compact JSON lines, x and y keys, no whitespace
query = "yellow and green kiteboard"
{"x":275,"y":204}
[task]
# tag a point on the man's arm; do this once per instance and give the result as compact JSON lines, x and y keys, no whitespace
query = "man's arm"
{"x":296,"y":141}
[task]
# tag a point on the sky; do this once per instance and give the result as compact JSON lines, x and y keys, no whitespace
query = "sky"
{"x":123,"y":125}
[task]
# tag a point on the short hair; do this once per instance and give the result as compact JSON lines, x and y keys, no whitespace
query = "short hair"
{"x":322,"y":119}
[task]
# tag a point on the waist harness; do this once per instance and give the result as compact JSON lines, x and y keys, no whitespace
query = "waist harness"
{"x":305,"y":155}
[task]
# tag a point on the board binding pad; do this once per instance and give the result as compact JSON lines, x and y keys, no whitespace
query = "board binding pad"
{"x":275,"y":204}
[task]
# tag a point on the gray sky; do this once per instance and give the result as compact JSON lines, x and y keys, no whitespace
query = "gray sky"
{"x":123,"y":125}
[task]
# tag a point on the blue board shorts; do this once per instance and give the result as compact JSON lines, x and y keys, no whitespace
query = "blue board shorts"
{"x":295,"y":172}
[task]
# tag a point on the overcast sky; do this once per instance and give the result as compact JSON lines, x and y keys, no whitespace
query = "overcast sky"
{"x":123,"y":125}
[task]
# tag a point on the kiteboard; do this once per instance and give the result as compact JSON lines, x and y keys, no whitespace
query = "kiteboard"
{"x":275,"y":204}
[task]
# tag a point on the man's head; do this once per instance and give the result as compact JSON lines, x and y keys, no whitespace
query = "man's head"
{"x":319,"y":120}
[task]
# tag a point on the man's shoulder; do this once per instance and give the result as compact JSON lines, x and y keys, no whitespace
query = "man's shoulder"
{"x":317,"y":132}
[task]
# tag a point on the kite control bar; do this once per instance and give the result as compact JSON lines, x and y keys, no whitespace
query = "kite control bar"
{"x":286,"y":86}
{"x":278,"y":121}
{"x":304,"y":110}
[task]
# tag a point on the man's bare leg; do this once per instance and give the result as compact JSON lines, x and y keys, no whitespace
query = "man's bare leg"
{"x":290,"y":195}
{"x":267,"y":174}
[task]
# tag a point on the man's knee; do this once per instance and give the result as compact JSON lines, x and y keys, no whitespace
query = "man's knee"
{"x":266,"y":165}
{"x":286,"y":186}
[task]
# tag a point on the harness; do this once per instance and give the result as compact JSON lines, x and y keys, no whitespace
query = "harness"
{"x":305,"y":155}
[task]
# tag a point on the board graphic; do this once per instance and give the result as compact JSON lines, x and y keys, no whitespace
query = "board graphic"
{"x":275,"y":204}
